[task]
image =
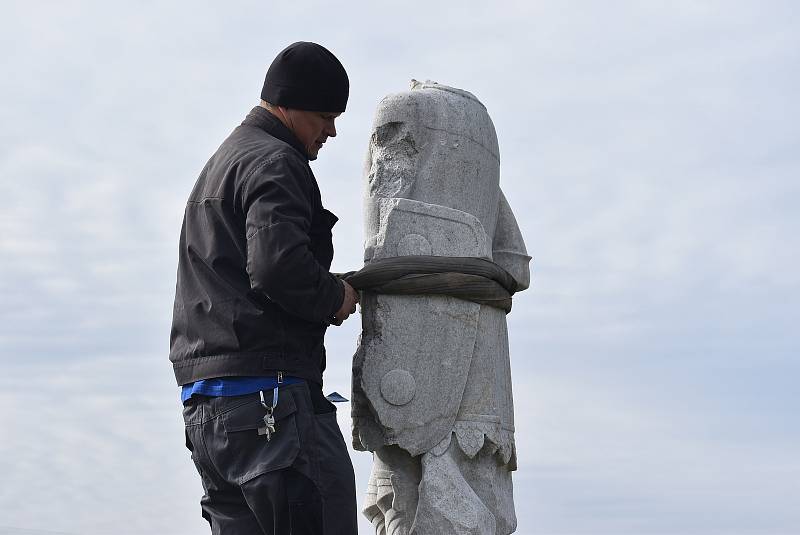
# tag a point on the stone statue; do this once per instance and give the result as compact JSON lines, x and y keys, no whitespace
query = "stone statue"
{"x":431,"y":377}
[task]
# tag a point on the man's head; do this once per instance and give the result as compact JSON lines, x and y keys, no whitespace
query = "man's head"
{"x":306,"y":87}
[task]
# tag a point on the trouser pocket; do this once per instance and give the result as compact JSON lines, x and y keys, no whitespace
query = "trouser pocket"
{"x":244,"y":452}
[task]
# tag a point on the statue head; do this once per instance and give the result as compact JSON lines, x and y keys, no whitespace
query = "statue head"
{"x":435,"y":144}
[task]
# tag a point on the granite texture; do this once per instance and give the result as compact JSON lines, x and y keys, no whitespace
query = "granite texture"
{"x":431,"y":376}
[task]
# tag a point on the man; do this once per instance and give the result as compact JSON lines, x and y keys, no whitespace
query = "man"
{"x":253,"y":300}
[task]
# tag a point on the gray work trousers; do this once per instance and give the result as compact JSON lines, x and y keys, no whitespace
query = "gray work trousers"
{"x":300,"y":481}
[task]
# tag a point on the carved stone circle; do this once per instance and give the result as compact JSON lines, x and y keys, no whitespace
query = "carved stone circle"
{"x":398,"y":387}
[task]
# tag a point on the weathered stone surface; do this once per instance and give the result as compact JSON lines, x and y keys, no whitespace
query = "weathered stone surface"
{"x":431,"y":376}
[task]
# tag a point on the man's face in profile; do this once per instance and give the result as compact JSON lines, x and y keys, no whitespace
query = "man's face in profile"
{"x":312,"y":128}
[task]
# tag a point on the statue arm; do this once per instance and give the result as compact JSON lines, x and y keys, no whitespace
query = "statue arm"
{"x":508,"y":247}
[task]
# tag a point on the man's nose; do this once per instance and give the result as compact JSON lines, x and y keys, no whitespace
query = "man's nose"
{"x":331,"y":130}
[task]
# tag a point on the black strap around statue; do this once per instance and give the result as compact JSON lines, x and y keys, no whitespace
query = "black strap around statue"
{"x":474,"y":279}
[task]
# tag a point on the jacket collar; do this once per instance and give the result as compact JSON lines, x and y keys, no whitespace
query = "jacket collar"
{"x":261,"y":118}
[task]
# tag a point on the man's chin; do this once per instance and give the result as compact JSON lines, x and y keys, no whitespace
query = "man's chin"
{"x":312,"y":153}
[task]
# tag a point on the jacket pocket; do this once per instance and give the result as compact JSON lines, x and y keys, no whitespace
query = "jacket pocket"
{"x":246,"y":453}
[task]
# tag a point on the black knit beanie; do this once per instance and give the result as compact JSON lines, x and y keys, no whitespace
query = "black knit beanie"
{"x":306,"y":76}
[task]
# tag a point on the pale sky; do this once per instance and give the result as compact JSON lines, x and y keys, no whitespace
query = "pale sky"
{"x":650,"y":150}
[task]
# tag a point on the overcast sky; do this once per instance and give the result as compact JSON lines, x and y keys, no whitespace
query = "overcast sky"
{"x":650,"y":151}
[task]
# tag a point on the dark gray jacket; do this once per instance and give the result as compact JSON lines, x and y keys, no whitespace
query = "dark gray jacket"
{"x":254,"y":295}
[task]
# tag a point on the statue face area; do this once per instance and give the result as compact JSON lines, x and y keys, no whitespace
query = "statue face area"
{"x":393,"y":159}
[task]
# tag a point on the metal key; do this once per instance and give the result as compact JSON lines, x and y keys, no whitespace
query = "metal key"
{"x":269,"y":425}
{"x":269,"y":420}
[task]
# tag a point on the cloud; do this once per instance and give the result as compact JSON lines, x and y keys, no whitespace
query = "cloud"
{"x":649,"y":152}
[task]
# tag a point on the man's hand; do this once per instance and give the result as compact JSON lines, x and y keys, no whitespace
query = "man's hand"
{"x":348,"y":305}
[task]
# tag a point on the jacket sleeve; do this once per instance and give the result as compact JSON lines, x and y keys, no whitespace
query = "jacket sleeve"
{"x":278,"y":204}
